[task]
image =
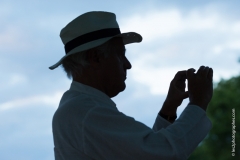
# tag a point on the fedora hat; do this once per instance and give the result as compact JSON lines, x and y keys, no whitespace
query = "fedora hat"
{"x":90,"y":30}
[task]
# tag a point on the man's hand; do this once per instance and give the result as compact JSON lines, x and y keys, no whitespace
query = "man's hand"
{"x":200,"y":86}
{"x":176,"y":94}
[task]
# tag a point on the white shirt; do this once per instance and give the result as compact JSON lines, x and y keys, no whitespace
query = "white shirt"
{"x":88,"y":126}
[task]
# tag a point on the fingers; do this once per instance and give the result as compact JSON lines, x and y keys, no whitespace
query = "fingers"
{"x":180,"y":76}
{"x":210,"y":74}
{"x":205,"y":72}
{"x":183,"y":74}
{"x":200,"y":70}
{"x":190,"y":73}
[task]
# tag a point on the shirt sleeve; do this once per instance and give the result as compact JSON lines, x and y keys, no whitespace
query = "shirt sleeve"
{"x":109,"y":134}
{"x":160,"y":123}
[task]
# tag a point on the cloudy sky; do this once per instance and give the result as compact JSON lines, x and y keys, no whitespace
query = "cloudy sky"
{"x":177,"y":35}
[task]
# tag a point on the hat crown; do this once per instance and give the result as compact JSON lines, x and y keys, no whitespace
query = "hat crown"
{"x":90,"y":30}
{"x":86,"y":23}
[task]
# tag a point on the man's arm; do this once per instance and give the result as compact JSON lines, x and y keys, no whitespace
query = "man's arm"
{"x":200,"y":86}
{"x":109,"y":134}
{"x":168,"y":112}
{"x":176,"y":94}
{"x":166,"y":116}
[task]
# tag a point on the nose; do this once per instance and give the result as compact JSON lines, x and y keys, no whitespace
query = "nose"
{"x":127,"y":64}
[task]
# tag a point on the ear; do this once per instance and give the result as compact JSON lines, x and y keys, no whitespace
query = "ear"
{"x":92,"y":57}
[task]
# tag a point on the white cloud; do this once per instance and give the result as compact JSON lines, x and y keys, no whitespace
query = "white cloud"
{"x":173,"y":40}
{"x":51,"y":99}
{"x":234,"y":45}
{"x":220,"y":73}
{"x":217,"y":49}
{"x":153,"y":25}
{"x":14,"y":39}
{"x":198,"y":20}
{"x":227,"y":46}
{"x":158,"y":79}
{"x":54,"y":23}
{"x":236,"y":27}
{"x":5,"y":10}
{"x":17,"y":79}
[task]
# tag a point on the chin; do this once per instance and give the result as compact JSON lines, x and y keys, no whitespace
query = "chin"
{"x":119,"y":89}
{"x":124,"y":86}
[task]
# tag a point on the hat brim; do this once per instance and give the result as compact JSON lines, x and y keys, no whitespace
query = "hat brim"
{"x":129,"y":37}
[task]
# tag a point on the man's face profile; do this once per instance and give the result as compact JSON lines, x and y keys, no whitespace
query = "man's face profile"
{"x":107,"y":74}
{"x":115,"y":67}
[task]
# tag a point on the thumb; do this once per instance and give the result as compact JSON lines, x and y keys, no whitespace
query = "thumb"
{"x":190,"y":73}
{"x":185,"y":95}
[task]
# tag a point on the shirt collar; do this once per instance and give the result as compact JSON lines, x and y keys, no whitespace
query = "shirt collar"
{"x":93,"y":92}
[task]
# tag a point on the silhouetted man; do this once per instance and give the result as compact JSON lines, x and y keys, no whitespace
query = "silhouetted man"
{"x":87,"y":124}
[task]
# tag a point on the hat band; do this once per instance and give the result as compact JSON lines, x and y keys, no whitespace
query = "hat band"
{"x":88,"y":37}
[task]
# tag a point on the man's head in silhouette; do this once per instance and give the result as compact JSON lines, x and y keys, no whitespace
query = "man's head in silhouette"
{"x":95,"y":51}
{"x":107,"y":74}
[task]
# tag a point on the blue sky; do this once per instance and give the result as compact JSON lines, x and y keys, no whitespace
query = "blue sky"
{"x":177,"y":35}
